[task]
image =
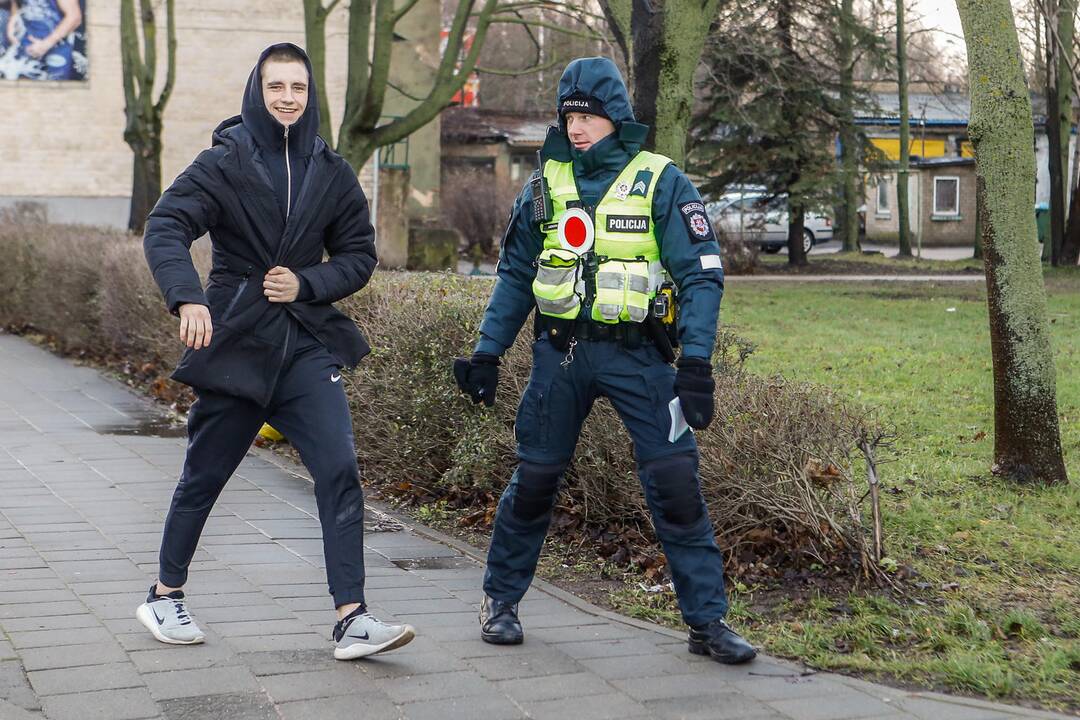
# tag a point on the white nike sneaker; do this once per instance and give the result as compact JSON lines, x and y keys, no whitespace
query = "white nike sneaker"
{"x":361,"y":634}
{"x":166,"y":616}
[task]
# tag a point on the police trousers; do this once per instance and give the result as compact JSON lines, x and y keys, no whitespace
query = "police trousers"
{"x":310,"y":408}
{"x":558,"y":398}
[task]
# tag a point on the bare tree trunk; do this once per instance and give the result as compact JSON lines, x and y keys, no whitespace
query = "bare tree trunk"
{"x":145,"y":183}
{"x":905,"y":135}
{"x":667,"y":38}
{"x":142,"y":131}
{"x":796,"y":232}
{"x":849,"y":163}
{"x":1027,"y":440}
{"x":315,"y":15}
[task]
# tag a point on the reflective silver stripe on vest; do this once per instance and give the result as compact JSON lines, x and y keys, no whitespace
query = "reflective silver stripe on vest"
{"x":606,"y":280}
{"x":609,"y":311}
{"x":637,"y":314}
{"x":639,"y":284}
{"x":557,"y":307}
{"x":556,"y":276}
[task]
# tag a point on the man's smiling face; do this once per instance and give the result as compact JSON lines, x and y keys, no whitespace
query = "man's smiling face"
{"x":285,"y":90}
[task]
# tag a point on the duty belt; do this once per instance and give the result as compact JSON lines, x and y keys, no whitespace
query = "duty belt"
{"x":631,"y":335}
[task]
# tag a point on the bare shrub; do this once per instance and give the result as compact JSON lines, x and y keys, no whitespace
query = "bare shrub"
{"x":776,"y":464}
{"x":478,"y":208}
{"x":740,"y":254}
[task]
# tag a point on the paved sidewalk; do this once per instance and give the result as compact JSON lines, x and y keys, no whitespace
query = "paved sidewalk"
{"x":83,"y":491}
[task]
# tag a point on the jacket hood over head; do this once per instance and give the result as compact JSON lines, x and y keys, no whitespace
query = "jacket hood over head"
{"x":595,"y":81}
{"x":264,"y":127}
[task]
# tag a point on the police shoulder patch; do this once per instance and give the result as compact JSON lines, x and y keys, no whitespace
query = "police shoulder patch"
{"x":697,"y":221}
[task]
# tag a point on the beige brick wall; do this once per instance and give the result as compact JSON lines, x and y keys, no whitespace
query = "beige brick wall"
{"x":67,"y":137}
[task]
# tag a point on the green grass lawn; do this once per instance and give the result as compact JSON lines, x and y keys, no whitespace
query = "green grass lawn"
{"x":848,"y":263}
{"x":994,"y":607}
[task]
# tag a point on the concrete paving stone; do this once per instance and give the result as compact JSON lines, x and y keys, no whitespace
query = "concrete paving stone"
{"x":46,"y":638}
{"x":135,"y":641}
{"x":281,"y":573}
{"x":712,"y":707}
{"x":343,"y":679}
{"x":82,"y":555}
{"x":436,"y":686}
{"x":307,"y":641}
{"x":305,"y":604}
{"x":232,"y":706}
{"x":399,"y":664}
{"x":566,"y":618}
{"x":927,"y":709}
{"x":203,"y":681}
{"x":771,"y":688}
{"x":594,"y":707}
{"x":72,"y":541}
{"x":466,"y":618}
{"x":283,"y":627}
{"x":313,"y":589}
{"x":241,"y":613}
{"x":608,"y":648}
{"x":674,"y":686}
{"x":250,"y":538}
{"x":392,"y":576}
{"x":15,"y":688}
{"x":11,"y":711}
{"x":633,"y":666}
{"x":41,"y":609}
{"x":415,"y":552}
{"x":364,"y":705}
{"x":59,"y":622}
{"x":542,"y":662}
{"x":554,"y":687}
{"x":578,"y":633}
{"x":310,"y":547}
{"x":17,"y":563}
{"x":184,"y":657}
{"x":493,"y":707}
{"x":111,"y":676}
{"x":407,"y":608}
{"x":74,"y":655}
{"x":129,"y":704}
{"x":15,"y":597}
{"x":839,"y":706}
{"x":319,"y":620}
{"x":283,"y":662}
{"x":255,"y":554}
{"x":412,"y":592}
{"x":7,"y":650}
{"x":473,"y":647}
{"x":468,"y":569}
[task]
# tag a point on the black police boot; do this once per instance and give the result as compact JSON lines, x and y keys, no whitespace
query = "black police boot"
{"x":721,"y":642}
{"x":499,"y":624}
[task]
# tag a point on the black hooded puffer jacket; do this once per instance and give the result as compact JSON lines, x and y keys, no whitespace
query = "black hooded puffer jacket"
{"x":239,"y":190}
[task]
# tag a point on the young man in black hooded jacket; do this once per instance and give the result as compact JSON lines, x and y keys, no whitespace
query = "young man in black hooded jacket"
{"x":264,"y":343}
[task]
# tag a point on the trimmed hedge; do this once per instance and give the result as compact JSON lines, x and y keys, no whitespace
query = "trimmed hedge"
{"x":776,"y":464}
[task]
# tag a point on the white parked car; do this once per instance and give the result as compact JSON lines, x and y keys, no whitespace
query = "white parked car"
{"x":753,"y":217}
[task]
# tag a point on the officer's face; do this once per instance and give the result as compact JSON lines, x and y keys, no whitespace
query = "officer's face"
{"x":585,"y":130}
{"x":285,"y":90}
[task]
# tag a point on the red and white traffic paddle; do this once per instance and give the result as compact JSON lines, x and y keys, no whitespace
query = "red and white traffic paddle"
{"x":576,"y":231}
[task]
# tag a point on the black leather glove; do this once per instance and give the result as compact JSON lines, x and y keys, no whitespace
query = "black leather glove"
{"x":478,"y":377}
{"x":695,"y":386}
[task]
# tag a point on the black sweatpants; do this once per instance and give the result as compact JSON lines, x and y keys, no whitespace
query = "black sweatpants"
{"x":309,"y":407}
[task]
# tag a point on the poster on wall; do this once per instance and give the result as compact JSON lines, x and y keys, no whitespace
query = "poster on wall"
{"x":43,"y":40}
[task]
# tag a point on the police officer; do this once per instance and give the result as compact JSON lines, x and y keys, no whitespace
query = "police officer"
{"x":595,"y":241}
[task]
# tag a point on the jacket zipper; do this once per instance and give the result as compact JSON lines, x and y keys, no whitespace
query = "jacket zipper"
{"x":232,"y":303}
{"x":288,"y":175}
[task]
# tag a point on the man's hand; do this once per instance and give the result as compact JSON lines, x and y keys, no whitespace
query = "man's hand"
{"x":478,"y":377}
{"x":281,"y":285}
{"x":195,"y":326}
{"x":695,"y":386}
{"x":37,"y":47}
